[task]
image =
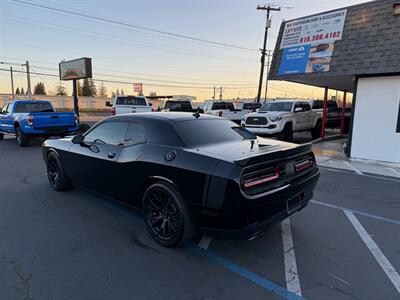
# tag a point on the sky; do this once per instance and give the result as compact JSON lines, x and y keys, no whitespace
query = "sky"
{"x":165,"y":64}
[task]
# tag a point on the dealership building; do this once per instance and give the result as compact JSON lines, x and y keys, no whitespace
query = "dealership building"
{"x":354,"y":49}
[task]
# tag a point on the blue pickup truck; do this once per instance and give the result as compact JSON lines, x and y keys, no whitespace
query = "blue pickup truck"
{"x":35,"y":118}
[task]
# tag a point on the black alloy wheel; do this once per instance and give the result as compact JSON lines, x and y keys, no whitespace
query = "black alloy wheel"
{"x":55,"y":174}
{"x":166,"y":216}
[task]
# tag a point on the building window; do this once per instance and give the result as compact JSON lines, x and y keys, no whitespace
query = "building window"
{"x":396,"y":9}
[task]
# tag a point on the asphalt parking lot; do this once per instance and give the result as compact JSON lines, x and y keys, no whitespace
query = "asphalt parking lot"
{"x":76,"y":245}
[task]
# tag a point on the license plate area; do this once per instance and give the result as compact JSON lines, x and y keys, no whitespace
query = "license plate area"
{"x":294,"y":203}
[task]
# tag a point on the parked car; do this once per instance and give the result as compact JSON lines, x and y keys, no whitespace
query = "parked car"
{"x":282,"y":118}
{"x":129,"y":104}
{"x":334,"y":113}
{"x":248,"y":107}
{"x":224,"y":109}
{"x":35,"y":118}
{"x":187,"y":172}
{"x":180,"y":105}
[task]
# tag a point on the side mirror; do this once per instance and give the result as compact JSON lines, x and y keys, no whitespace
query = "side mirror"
{"x":150,"y":104}
{"x":298,"y":109}
{"x":77,"y":139}
{"x":108,"y":104}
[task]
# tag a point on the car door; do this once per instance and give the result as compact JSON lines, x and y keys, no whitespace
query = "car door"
{"x":300,"y":117}
{"x":133,"y":168}
{"x":308,"y":115}
{"x":94,"y":163}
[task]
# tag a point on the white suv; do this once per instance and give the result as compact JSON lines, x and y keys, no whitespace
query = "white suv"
{"x":282,"y":118}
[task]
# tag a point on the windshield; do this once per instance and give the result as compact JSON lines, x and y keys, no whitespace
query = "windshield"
{"x":131,"y":100}
{"x":223,"y":105}
{"x":178,"y":105}
{"x":205,"y":131}
{"x":277,"y":106}
{"x":34,"y":107}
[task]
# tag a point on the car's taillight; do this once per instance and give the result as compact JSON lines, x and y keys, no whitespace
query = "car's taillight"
{"x":275,"y":174}
{"x":113,"y":110}
{"x":29,"y":120}
{"x":303,"y":165}
{"x":75,"y":118}
{"x":220,"y":114}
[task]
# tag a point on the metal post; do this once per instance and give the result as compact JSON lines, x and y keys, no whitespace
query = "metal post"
{"x":220,"y":93}
{"x":12,"y":83}
{"x":266,"y":77}
{"x":343,"y":113}
{"x":214,"y":93}
{"x":324,"y":114}
{"x":75,"y":88}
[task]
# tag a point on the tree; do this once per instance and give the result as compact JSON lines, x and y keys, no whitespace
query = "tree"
{"x":153,"y":94}
{"x":39,"y":89}
{"x":112,"y":95}
{"x":22,"y":91}
{"x":60,"y":90}
{"x":17,"y":92}
{"x":117,"y":92}
{"x":122,"y":92}
{"x":102,"y":91}
{"x":92,"y":88}
{"x":85,"y":88}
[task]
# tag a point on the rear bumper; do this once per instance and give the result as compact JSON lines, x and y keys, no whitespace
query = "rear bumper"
{"x":51,"y":131}
{"x":269,"y":210}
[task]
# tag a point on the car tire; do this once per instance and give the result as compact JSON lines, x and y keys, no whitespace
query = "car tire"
{"x":57,"y":179}
{"x":22,"y":138}
{"x":316,"y":131}
{"x":287,"y":133}
{"x":166,"y":215}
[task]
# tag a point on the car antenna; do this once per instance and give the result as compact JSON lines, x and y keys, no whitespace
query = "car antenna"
{"x":196,"y":114}
{"x":252,"y":144}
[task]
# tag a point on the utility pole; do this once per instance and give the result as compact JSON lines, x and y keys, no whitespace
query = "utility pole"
{"x":214,"y":93}
{"x":268,"y":8}
{"x":12,"y":83}
{"x":266,"y":77}
{"x":28,"y":75}
{"x":220,"y":93}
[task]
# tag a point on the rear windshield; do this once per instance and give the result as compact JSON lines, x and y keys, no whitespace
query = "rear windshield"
{"x":34,"y":107}
{"x":131,"y":100}
{"x":223,"y":105}
{"x":251,"y":105}
{"x":178,"y":105}
{"x":200,"y":132}
{"x":277,"y":106}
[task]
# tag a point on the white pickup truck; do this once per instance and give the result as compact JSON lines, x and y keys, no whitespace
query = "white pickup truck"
{"x":129,"y":104}
{"x":282,"y":118}
{"x":224,"y":109}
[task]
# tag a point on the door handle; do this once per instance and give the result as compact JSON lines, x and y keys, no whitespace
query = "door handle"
{"x":111,"y":154}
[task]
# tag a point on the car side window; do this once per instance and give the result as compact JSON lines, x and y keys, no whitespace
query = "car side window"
{"x":111,"y":133}
{"x":306,"y":106}
{"x":4,"y":109}
{"x":298,"y":105}
{"x":134,"y":135}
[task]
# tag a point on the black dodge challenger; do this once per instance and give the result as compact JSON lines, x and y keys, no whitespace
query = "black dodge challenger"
{"x":187,"y":172}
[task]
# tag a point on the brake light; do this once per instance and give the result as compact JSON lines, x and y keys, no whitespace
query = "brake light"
{"x":220,"y":113}
{"x":262,"y":179}
{"x":113,"y":110}
{"x":303,"y":165}
{"x":75,"y":117}
{"x":29,"y":120}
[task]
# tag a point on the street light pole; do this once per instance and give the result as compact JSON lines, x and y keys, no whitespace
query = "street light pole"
{"x":263,"y":50}
{"x":12,"y":83}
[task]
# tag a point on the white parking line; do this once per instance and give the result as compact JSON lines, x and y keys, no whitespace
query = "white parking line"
{"x":376,"y":252}
{"x":353,"y":168}
{"x":394,"y":171}
{"x":292,"y":277}
{"x":205,"y":242}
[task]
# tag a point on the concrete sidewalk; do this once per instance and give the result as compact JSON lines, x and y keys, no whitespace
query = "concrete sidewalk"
{"x":330,"y":154}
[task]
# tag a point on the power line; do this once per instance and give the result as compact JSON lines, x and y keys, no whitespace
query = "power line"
{"x":149,"y":29}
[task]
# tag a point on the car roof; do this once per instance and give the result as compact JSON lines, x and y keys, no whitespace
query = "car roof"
{"x":288,"y":101}
{"x":166,"y":116}
{"x":31,"y":101}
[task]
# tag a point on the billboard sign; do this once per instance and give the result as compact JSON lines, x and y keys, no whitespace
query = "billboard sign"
{"x":76,"y":69}
{"x":306,"y":59}
{"x":323,"y":28}
{"x":138,"y":87}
